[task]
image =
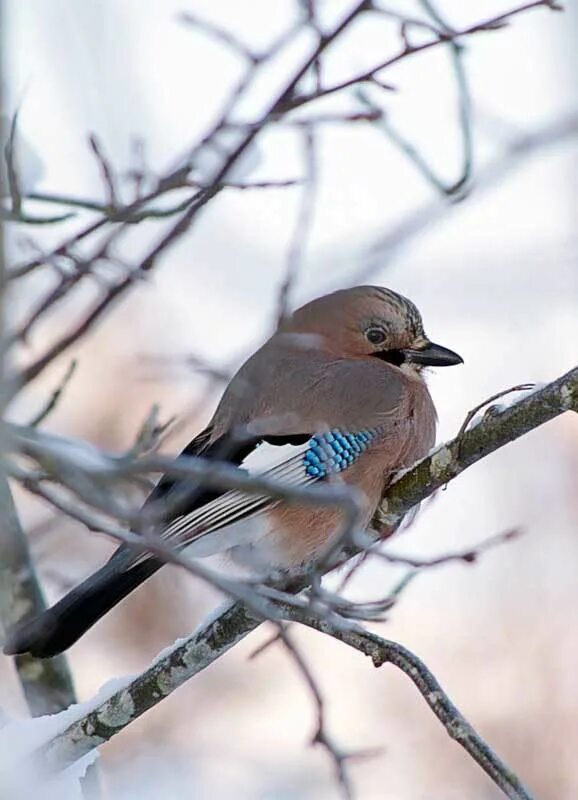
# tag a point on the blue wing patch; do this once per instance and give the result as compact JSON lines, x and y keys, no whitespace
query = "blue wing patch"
{"x":334,"y":451}
{"x":323,"y":454}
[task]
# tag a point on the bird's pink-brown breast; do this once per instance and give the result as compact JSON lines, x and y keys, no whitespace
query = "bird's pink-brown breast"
{"x":323,"y":392}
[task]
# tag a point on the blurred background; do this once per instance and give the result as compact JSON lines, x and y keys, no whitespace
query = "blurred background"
{"x":496,"y":278}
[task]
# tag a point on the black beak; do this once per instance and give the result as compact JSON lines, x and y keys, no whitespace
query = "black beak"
{"x":434,"y":355}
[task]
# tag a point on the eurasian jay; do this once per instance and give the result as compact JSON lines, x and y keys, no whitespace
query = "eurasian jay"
{"x":341,"y":384}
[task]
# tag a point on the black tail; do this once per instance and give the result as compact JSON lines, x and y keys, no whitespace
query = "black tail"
{"x":58,"y":627}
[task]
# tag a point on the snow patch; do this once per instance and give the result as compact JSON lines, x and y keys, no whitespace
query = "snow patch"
{"x":171,"y":679}
{"x":440,"y":460}
{"x":21,"y":738}
{"x":119,"y":710}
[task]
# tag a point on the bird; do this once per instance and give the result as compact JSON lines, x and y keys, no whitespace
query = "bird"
{"x":338,"y":392}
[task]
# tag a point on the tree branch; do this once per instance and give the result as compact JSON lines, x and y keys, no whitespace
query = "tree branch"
{"x":171,"y":669}
{"x":219,"y":634}
{"x":47,"y":685}
{"x":492,"y":432}
{"x":384,"y":651}
{"x":385,"y":248}
{"x":441,"y":37}
{"x":183,"y":223}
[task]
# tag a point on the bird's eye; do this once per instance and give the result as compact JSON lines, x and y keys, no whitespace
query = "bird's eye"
{"x":375,"y":335}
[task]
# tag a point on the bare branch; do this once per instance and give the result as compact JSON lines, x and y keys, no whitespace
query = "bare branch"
{"x":12,"y":168}
{"x":47,"y":686}
{"x":184,"y":222}
{"x":303,"y":224}
{"x":214,"y":639}
{"x":452,"y":458}
{"x":223,"y":631}
{"x":111,"y":296}
{"x":321,"y":735}
{"x":468,"y":556}
{"x":106,"y":170}
{"x":384,"y":651}
{"x":522,"y":387}
{"x":409,"y":50}
{"x":387,"y":247}
{"x":54,"y":398}
{"x":220,"y":35}
{"x":179,"y":177}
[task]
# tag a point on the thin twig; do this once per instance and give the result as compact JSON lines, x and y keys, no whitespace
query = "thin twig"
{"x":410,"y":50}
{"x":522,"y":387}
{"x":303,"y":224}
{"x":73,"y":335}
{"x":184,"y":222}
{"x":385,"y":248}
{"x":149,"y":434}
{"x":313,"y":23}
{"x":451,"y":458}
{"x":220,"y":35}
{"x":56,"y":395}
{"x":321,"y":735}
{"x":106,"y":170}
{"x":468,"y":556}
{"x":12,"y":168}
{"x":384,"y":651}
{"x":457,"y":187}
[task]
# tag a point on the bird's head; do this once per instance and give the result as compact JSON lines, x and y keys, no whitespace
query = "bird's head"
{"x":370,"y":321}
